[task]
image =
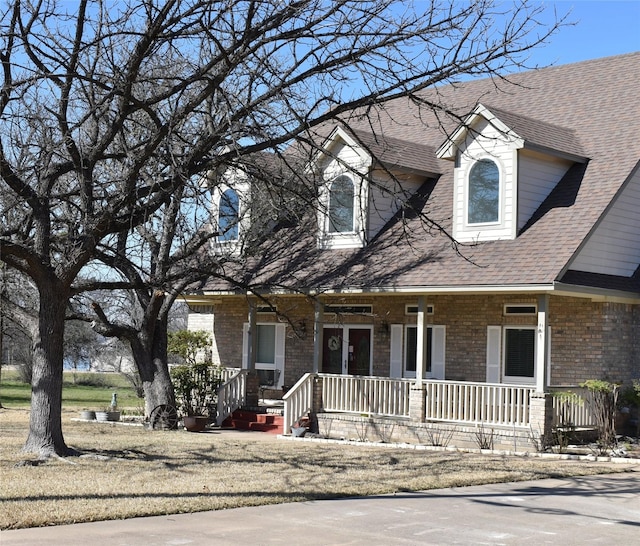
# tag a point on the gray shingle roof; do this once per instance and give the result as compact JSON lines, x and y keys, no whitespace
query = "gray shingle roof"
{"x":588,"y":109}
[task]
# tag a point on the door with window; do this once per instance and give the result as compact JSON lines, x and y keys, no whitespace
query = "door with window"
{"x":347,"y":350}
{"x":269,"y":353}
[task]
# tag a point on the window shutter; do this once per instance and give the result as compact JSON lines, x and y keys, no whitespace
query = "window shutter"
{"x":493,"y":353}
{"x":245,"y":346}
{"x":395,"y":363}
{"x":438,"y":339}
{"x":280,"y":337}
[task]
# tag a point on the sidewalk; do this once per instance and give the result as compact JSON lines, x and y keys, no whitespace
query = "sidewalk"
{"x":592,"y":509}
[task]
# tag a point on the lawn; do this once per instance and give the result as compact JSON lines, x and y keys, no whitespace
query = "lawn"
{"x":128,"y":471}
{"x":79,"y":390}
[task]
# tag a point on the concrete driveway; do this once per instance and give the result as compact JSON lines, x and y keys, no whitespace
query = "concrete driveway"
{"x":585,"y":510}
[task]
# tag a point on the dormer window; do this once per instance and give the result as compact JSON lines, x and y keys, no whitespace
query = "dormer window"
{"x":484,"y":193}
{"x":228,"y":216}
{"x":341,"y":205}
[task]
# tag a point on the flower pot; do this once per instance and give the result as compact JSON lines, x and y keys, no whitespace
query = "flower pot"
{"x":88,"y":415}
{"x":107,"y":416}
{"x":195,"y":423}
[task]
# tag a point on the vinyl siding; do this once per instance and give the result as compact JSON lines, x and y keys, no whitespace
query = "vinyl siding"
{"x":537,"y":176}
{"x":614,"y":247}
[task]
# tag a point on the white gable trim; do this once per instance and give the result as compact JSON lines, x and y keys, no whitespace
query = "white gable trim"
{"x":449,"y":149}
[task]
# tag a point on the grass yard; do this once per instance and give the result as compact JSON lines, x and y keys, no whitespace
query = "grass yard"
{"x":129,"y":471}
{"x":81,"y":390}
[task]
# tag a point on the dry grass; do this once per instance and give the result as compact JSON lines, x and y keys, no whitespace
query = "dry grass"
{"x":129,"y":471}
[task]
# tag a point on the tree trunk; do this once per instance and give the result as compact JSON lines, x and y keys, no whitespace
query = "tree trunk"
{"x":45,"y":426}
{"x":150,"y":356}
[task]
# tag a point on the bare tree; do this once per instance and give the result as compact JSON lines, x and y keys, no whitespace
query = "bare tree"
{"x":106,"y":111}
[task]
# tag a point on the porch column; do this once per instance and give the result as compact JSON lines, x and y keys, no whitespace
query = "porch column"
{"x":253,"y":383}
{"x":252,"y":337}
{"x":417,"y":402}
{"x":422,"y":340}
{"x":540,"y":408}
{"x":318,"y":319}
{"x":542,"y":343}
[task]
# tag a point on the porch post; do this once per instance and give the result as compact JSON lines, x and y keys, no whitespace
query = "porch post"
{"x":252,"y":337}
{"x":542,"y":344}
{"x":422,"y":340}
{"x":417,"y":402}
{"x":318,"y":319}
{"x":541,"y":408}
{"x":253,"y":383}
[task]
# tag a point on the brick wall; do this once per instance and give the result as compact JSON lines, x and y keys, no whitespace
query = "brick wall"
{"x":588,"y":339}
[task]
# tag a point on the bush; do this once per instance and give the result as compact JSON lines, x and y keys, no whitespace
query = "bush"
{"x":604,"y":398}
{"x":195,"y":387}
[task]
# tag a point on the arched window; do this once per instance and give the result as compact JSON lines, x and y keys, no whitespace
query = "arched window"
{"x":228,"y":215}
{"x":341,"y":197}
{"x":484,"y":193}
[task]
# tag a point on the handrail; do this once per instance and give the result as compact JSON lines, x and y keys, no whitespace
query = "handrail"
{"x":231,"y":395}
{"x":298,"y":400}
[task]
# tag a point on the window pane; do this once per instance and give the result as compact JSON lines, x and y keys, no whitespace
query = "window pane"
{"x":411,"y":347}
{"x":266,"y":344}
{"x":341,"y":205}
{"x":519,"y":352}
{"x":484,"y":192}
{"x":412,"y":344}
{"x":228,"y":216}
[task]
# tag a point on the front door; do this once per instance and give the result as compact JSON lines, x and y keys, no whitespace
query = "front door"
{"x":347,"y":350}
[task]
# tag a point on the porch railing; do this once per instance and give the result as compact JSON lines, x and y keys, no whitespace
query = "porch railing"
{"x":228,"y":373}
{"x":364,"y":394}
{"x":231,"y":395}
{"x":572,"y":407}
{"x":298,"y":400}
{"x":487,"y":403}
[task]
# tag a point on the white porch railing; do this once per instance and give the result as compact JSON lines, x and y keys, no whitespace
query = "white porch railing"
{"x":228,"y":373}
{"x":231,"y":394}
{"x":486,"y":403}
{"x":364,"y":394}
{"x":298,"y":400}
{"x":572,"y":407}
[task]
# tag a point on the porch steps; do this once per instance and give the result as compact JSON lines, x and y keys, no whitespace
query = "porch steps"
{"x":260,"y":421}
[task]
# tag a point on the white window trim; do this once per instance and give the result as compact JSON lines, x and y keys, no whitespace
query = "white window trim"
{"x":279,"y":349}
{"x":468,"y":226}
{"x":508,"y":306}
{"x":516,"y":379}
{"x":241,"y":188}
{"x":349,"y":239}
{"x":409,"y":309}
{"x":398,"y":351}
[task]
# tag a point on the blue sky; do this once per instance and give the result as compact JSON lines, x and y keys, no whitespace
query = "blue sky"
{"x":602,"y":28}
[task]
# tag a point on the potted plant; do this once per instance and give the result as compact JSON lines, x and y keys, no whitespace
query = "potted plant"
{"x":195,"y":383}
{"x":88,"y":415}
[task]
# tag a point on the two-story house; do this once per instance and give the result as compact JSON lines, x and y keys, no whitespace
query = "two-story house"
{"x":467,"y":263}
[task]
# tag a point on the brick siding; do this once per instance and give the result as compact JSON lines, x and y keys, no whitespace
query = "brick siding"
{"x":588,"y":339}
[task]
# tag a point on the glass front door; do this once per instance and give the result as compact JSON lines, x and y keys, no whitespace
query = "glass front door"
{"x":347,"y":350}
